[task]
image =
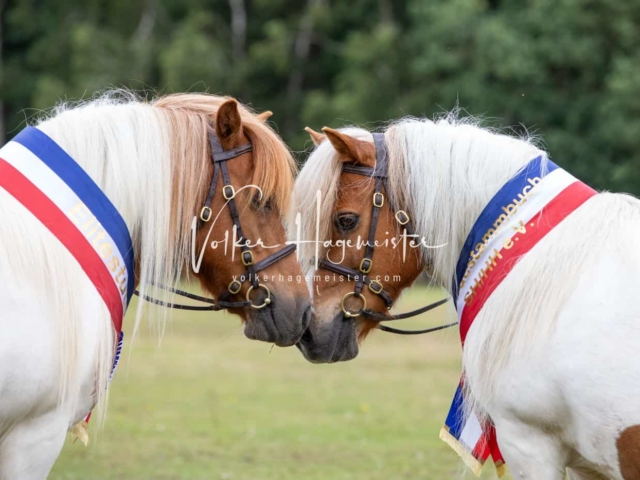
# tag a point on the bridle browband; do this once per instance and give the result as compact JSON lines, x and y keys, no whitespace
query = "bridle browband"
{"x":220,"y":157}
{"x":380,"y":174}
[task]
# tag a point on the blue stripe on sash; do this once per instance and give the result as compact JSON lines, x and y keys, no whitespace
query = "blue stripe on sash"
{"x":538,"y":167}
{"x":47,"y":150}
{"x":455,"y":418}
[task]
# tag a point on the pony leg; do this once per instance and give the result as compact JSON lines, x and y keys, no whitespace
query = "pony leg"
{"x":30,"y":449}
{"x":530,"y":453}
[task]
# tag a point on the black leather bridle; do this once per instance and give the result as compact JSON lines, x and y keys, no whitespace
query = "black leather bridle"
{"x":380,"y":174}
{"x":220,"y":157}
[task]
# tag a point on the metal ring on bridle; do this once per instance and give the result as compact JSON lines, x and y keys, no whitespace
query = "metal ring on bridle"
{"x":267,"y":300}
{"x":349,"y":314}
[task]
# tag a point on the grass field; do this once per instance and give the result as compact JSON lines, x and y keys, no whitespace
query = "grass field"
{"x":209,"y":404}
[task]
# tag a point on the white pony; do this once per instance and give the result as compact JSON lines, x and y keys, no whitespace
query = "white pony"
{"x":152,"y":160}
{"x":550,"y":358}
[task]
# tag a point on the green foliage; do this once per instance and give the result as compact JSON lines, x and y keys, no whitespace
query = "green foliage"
{"x":568,"y":71}
{"x":193,"y":57}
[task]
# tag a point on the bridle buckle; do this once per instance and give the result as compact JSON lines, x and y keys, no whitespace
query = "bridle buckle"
{"x":228,"y":192}
{"x":378,"y":287}
{"x":205,"y":214}
{"x":234,"y":287}
{"x":247,"y":258}
{"x":365,"y":265}
{"x":378,"y":200}
{"x":402,"y":217}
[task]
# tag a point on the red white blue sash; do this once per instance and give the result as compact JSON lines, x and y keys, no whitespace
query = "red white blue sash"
{"x":523,"y":211}
{"x":38,"y":173}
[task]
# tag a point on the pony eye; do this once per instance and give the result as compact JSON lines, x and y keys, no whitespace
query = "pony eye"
{"x":345,"y":222}
{"x":265,"y":206}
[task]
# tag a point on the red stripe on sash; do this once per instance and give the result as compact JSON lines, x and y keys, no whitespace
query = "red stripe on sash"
{"x":67,"y":232}
{"x":542,"y":223}
{"x":481,"y":451}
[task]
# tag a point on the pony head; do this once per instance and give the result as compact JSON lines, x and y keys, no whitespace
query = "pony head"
{"x":344,"y":215}
{"x":262,"y":180}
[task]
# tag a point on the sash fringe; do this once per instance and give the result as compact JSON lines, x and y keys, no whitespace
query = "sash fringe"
{"x":501,"y":470}
{"x":472,"y":462}
{"x":79,"y":431}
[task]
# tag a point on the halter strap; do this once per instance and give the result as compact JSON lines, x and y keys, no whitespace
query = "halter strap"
{"x":362,"y":170}
{"x":221,"y":155}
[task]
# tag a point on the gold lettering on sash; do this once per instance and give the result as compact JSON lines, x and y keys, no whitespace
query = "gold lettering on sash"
{"x":113,"y":263}
{"x":506,"y":213}
{"x":521,"y":229}
{"x":105,"y":250}
{"x":501,"y":219}
{"x":91,"y":228}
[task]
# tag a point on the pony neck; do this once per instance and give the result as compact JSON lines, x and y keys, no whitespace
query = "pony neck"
{"x":124,"y":146}
{"x":446,"y":172}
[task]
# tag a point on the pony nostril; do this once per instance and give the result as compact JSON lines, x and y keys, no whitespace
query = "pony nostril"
{"x":307,"y":337}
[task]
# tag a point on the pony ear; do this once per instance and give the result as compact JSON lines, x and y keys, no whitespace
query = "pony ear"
{"x":264,"y":116}
{"x":228,"y":121}
{"x":351,"y":149}
{"x":316,"y":137}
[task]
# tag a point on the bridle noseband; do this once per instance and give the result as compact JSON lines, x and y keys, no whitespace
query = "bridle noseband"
{"x":380,"y":174}
{"x":220,"y":157}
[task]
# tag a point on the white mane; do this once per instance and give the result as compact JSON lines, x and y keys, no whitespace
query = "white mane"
{"x":444,"y":173}
{"x":124,"y":146}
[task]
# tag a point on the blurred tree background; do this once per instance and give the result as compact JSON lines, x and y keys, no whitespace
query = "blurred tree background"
{"x":568,"y":70}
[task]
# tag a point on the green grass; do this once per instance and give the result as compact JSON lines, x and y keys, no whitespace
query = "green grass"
{"x":210,"y":404}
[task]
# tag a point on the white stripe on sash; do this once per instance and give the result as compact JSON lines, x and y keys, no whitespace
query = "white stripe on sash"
{"x":471,"y":433}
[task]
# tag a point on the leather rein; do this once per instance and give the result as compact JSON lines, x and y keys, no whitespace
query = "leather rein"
{"x":380,"y":174}
{"x":220,"y":157}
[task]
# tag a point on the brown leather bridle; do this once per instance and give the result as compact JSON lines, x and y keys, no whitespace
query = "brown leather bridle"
{"x":380,"y":174}
{"x":220,"y":157}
